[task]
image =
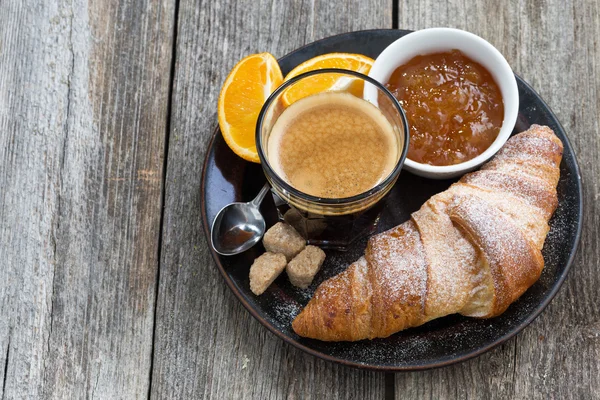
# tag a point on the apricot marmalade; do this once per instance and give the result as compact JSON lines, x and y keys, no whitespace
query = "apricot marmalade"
{"x":453,"y":105}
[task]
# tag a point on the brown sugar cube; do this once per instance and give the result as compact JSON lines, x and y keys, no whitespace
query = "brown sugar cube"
{"x":303,"y":268}
{"x":282,"y":238}
{"x":264,"y":270}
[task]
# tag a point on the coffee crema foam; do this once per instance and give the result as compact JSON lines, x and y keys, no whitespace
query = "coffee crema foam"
{"x":332,"y":145}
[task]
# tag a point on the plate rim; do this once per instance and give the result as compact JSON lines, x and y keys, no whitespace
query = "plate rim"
{"x":407,"y":368}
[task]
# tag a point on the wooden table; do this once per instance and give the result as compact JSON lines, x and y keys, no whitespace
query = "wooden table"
{"x":107,"y":288}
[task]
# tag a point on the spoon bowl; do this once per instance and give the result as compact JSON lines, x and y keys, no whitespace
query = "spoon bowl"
{"x":238,"y":226}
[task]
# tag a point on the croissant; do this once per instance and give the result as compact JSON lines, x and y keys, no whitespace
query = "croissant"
{"x":473,"y":249}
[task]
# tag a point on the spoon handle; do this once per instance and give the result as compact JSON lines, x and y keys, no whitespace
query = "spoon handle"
{"x":260,"y":196}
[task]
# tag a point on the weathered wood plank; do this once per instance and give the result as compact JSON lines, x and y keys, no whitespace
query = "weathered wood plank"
{"x":83,"y":110}
{"x":553,"y":46}
{"x":207,"y":345}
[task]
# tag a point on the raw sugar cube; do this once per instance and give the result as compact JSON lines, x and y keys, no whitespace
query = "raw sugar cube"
{"x":264,"y":270}
{"x":303,"y":268}
{"x":282,"y":238}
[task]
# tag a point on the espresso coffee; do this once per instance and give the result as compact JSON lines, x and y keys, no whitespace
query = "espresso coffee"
{"x":332,"y":145}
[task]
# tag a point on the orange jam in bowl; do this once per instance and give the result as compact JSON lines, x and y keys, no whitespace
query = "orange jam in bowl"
{"x":453,"y":105}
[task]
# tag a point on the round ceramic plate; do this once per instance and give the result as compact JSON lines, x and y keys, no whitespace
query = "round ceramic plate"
{"x":227,"y":178}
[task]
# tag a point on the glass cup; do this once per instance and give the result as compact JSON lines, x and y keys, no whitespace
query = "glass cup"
{"x":331,"y":222}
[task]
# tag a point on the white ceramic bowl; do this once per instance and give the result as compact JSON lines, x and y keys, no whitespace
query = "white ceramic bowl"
{"x":435,"y":40}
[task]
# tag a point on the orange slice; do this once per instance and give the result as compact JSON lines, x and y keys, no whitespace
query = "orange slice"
{"x":317,"y":84}
{"x":242,"y":96}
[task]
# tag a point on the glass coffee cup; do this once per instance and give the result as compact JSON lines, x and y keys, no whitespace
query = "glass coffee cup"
{"x":331,"y":157}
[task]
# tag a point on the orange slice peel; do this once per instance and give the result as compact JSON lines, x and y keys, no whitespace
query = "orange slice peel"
{"x":242,"y":96}
{"x":321,"y":83}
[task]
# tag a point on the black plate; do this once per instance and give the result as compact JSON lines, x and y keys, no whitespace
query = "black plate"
{"x":227,"y":178}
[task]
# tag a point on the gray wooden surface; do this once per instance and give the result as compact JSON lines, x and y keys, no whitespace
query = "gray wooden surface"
{"x":83,"y":94}
{"x":107,"y":289}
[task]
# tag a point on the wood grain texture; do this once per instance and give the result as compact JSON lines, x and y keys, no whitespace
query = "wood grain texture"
{"x":553,"y":45}
{"x":83,"y":95}
{"x":207,"y":344}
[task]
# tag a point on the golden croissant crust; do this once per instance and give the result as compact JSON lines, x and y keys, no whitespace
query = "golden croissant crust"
{"x":473,"y":249}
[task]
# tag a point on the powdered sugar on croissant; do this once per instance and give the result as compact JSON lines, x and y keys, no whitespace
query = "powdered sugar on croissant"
{"x":473,"y":249}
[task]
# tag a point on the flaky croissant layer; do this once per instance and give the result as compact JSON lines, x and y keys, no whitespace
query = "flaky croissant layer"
{"x":473,"y":249}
